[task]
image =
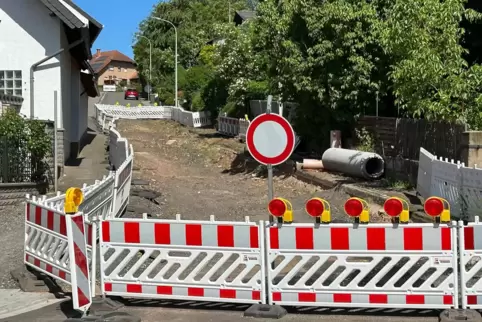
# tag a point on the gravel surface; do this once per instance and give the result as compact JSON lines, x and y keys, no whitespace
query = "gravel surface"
{"x":11,"y":243}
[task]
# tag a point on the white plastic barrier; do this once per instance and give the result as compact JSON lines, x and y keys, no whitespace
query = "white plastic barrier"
{"x":243,"y":128}
{"x":228,"y":126}
{"x":355,"y":265}
{"x":123,"y":179}
{"x":183,"y":259}
{"x":55,"y":244}
{"x":470,"y":243}
{"x":461,"y":186}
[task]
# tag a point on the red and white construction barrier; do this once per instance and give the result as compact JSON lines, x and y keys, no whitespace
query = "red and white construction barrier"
{"x":55,"y":244}
{"x":196,"y":260}
{"x":352,"y":265}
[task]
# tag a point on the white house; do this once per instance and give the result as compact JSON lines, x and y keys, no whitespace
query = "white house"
{"x":45,"y":46}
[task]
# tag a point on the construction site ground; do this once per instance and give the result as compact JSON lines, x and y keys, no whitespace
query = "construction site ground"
{"x":200,"y":173}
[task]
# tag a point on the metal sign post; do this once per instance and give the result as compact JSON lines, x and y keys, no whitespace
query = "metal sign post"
{"x":270,"y":140}
{"x":270,"y":166}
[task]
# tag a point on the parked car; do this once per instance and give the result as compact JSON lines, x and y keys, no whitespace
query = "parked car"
{"x":131,"y":94}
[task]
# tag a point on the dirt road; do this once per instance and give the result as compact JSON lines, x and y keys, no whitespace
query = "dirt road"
{"x":200,"y":174}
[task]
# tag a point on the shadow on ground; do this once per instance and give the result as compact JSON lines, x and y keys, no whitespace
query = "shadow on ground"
{"x":194,"y":305}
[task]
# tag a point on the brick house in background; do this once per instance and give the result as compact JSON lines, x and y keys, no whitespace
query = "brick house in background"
{"x":111,"y":67}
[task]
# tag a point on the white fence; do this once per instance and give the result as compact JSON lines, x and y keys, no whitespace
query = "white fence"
{"x":461,"y":186}
{"x":105,"y":114}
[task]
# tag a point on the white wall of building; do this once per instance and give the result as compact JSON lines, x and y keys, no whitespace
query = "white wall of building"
{"x":28,"y":34}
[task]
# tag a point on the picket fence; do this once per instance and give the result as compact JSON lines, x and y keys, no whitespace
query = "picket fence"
{"x":106,"y":114}
{"x":453,"y":181}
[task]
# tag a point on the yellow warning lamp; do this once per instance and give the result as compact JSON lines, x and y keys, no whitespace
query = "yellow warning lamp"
{"x":155,"y":104}
{"x":246,"y":117}
{"x":116,"y":103}
{"x":282,"y":210}
{"x":128,"y":105}
{"x":438,"y":208}
{"x":319,"y":209}
{"x":73,"y":198}
{"x":358,"y":209}
{"x":398,"y":209}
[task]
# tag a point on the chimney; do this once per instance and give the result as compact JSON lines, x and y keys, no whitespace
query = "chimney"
{"x":98,"y":52}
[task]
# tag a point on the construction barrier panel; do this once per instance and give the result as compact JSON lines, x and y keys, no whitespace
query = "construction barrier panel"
{"x":183,"y":259}
{"x":228,"y":126}
{"x":123,"y":179}
{"x":372,"y":265}
{"x":470,"y":243}
{"x":55,"y":244}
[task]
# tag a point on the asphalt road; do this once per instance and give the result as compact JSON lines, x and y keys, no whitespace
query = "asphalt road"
{"x":114,"y":97}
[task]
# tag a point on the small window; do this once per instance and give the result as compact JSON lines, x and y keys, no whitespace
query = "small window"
{"x":119,"y":69}
{"x":11,"y":82}
{"x":111,"y":67}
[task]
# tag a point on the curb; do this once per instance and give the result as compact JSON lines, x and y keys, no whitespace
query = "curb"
{"x":355,"y":191}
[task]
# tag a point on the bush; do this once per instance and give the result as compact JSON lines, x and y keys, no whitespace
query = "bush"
{"x":23,"y":140}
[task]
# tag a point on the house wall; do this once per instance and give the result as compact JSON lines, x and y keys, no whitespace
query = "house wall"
{"x":126,"y":70}
{"x":28,"y":34}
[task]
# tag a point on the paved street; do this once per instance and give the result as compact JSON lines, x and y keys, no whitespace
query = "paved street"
{"x":176,"y":312}
{"x":113,"y":97}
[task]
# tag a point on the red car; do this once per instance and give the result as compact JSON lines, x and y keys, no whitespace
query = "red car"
{"x":131,"y":93}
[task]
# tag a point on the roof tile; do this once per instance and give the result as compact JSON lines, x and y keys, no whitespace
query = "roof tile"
{"x":100,"y":61}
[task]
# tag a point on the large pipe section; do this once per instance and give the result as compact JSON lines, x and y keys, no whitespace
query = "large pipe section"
{"x":355,"y":163}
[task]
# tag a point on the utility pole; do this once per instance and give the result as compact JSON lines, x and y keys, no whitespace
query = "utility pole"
{"x":175,"y":56}
{"x":150,"y":66}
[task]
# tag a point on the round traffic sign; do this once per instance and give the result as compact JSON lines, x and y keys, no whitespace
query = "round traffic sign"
{"x":270,"y":139}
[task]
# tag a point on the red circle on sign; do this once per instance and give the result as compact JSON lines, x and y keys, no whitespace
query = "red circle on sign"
{"x":290,"y":138}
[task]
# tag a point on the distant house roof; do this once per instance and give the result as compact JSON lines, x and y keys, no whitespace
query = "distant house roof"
{"x":102,"y":59}
{"x":243,"y":15}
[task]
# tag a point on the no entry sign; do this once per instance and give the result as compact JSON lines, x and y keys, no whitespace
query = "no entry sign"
{"x":270,"y":139}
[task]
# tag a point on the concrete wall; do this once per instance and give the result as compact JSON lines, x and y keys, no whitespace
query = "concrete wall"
{"x":28,"y":34}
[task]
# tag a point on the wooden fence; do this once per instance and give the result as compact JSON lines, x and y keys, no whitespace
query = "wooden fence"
{"x":400,"y":137}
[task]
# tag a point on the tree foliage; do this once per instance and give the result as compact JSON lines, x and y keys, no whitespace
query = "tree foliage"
{"x":333,"y":57}
{"x":23,"y":140}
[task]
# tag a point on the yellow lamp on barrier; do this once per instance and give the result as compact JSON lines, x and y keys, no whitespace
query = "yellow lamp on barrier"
{"x":128,"y":105}
{"x":397,"y":208}
{"x":319,"y":209}
{"x":139,"y":105}
{"x":116,"y":103}
{"x":438,"y":208}
{"x":358,"y":209}
{"x":73,"y":198}
{"x":281,"y":209}
{"x":155,"y":104}
{"x":246,"y":117}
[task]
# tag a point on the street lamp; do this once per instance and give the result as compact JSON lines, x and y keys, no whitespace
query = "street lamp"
{"x":150,"y":66}
{"x":175,"y":55}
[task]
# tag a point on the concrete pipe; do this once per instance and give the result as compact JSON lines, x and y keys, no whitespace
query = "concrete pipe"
{"x":355,"y":163}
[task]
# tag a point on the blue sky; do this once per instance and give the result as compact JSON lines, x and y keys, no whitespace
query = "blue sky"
{"x":120,"y":19}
